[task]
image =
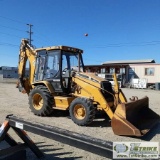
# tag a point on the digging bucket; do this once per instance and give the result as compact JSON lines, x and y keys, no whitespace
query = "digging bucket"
{"x":134,"y":118}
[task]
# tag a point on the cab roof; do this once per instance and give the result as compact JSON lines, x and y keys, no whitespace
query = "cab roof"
{"x":64,"y":48}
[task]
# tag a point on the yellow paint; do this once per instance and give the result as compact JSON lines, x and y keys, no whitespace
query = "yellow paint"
{"x":63,"y":102}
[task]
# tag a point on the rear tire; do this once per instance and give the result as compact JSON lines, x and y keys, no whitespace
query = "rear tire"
{"x":82,"y":111}
{"x":41,"y":101}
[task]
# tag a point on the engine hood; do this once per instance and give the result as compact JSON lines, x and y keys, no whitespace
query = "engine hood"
{"x":90,"y":76}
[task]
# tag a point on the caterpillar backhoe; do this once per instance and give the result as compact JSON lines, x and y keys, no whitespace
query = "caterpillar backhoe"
{"x":56,"y":80}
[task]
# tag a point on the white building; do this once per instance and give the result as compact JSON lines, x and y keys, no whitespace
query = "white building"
{"x":150,"y":71}
{"x":141,"y":69}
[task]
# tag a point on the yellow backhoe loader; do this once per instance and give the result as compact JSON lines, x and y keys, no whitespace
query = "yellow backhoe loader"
{"x":56,"y":80}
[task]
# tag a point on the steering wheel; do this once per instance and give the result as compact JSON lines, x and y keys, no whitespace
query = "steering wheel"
{"x":65,"y":69}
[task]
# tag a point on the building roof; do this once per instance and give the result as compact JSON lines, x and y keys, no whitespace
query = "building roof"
{"x":10,"y":68}
{"x":130,"y":61}
{"x":92,"y":65}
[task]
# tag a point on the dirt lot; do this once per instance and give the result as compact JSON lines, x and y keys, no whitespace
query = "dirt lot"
{"x":13,"y":102}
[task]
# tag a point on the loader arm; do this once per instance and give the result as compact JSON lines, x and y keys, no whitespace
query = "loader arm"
{"x":120,"y":97}
{"x":89,"y":86}
{"x":26,"y":53}
{"x":127,"y":118}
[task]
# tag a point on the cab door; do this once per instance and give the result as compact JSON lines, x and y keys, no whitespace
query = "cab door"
{"x":40,"y":65}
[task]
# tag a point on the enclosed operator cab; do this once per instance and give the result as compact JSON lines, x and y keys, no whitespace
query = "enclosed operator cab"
{"x":56,"y":65}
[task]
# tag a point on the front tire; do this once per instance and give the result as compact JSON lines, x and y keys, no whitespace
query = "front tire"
{"x":41,"y":101}
{"x":82,"y":111}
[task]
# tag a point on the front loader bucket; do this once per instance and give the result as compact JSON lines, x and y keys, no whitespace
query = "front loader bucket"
{"x":134,"y":118}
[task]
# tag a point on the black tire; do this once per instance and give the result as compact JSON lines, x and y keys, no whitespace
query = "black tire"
{"x":41,"y":101}
{"x":82,"y":111}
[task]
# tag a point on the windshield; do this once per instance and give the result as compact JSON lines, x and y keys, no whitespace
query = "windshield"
{"x":52,"y":64}
{"x":71,"y":61}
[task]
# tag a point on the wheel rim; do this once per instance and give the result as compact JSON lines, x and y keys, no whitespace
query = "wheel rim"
{"x":37,"y":101}
{"x":79,"y":111}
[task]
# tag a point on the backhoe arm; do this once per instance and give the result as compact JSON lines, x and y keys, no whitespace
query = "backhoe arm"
{"x":26,"y":53}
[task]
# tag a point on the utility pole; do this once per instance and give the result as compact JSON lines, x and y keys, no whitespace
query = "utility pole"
{"x":30,"y":33}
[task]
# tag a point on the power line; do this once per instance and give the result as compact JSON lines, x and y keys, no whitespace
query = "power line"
{"x":10,"y":35}
{"x":43,"y":38}
{"x":12,"y":28}
{"x":126,"y":44}
{"x":94,"y":46}
{"x":12,"y":20}
{"x":8,"y":44}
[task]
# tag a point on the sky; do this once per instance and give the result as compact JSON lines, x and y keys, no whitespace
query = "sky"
{"x":117,"y":29}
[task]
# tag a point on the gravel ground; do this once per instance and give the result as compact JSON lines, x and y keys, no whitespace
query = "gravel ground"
{"x":14,"y":102}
